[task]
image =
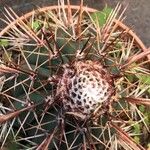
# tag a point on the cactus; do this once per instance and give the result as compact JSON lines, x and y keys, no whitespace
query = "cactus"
{"x":44,"y":52}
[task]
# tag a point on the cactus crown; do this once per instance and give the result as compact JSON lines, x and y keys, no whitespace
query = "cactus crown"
{"x":84,"y":86}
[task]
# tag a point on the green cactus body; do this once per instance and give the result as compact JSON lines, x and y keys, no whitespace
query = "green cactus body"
{"x":68,"y":81}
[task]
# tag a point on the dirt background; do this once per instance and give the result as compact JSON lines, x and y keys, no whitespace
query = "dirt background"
{"x":137,"y":13}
